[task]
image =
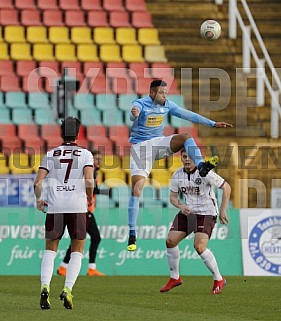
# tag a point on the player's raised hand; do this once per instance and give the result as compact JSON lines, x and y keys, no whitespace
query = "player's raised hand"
{"x":135,"y":112}
{"x":221,"y":124}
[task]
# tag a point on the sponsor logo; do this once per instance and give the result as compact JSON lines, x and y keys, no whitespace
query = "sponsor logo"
{"x":265,"y":244}
{"x":198,"y":181}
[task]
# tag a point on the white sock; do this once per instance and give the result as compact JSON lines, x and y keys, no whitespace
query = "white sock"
{"x":47,"y":267}
{"x":173,"y":257}
{"x":92,"y":266}
{"x":211,"y":263}
{"x":64,"y":265}
{"x":73,"y":269}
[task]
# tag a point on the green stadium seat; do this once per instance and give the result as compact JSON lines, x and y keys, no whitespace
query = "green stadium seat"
{"x":2,"y":105}
{"x":149,"y":197}
{"x":125,"y":101}
{"x":106,"y":101}
{"x":16,"y":100}
{"x":103,"y":201}
{"x":44,"y":117}
{"x":38,"y":100}
{"x":178,"y":122}
{"x":84,"y":101}
{"x":22,"y":116}
{"x":120,"y":195}
{"x":90,"y":117}
{"x":113,"y":117}
{"x":178,"y":99}
{"x":5,"y":116}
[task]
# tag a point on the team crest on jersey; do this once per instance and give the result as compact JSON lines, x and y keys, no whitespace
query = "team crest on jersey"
{"x":198,"y":181}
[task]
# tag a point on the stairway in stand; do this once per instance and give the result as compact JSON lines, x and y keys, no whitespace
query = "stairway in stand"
{"x":232,"y":99}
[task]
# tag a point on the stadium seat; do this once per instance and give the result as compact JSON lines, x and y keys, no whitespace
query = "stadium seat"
{"x":114,"y":177}
{"x":74,"y":18}
{"x":50,"y":132}
{"x":73,"y":65}
{"x":125,"y":101}
{"x":30,"y":136}
{"x":49,"y":68}
{"x":120,"y":195}
{"x":2,"y":105}
{"x":10,"y":83}
{"x":81,"y":35}
{"x":30,"y":17}
{"x":88,"y":5}
{"x":150,"y":198}
{"x":19,"y":164}
{"x":178,"y":122}
{"x":22,"y":116}
{"x":4,"y":169}
{"x":135,"y":5}
{"x":174,"y":163}
{"x":120,"y":135}
{"x":69,"y":5}
{"x":64,"y":52}
{"x":116,"y":70}
{"x":44,"y":117}
{"x":178,"y":99}
{"x":139,"y":70}
{"x":46,"y":5}
{"x":36,"y":34}
{"x":141,"y":19}
{"x":32,"y":83}
{"x":84,"y":101}
{"x":16,"y":100}
{"x":103,"y":201}
{"x":53,"y":18}
{"x":7,"y":132}
{"x":35,"y":161}
{"x":87,"y":52}
{"x":59,"y":35}
{"x":154,"y":54}
{"x":162,"y":70}
{"x":6,"y":67}
{"x":148,"y":36}
{"x":43,"y":52}
{"x":142,"y":85}
{"x":119,"y":19}
{"x":97,"y":18}
{"x":9,"y":17}
{"x":24,"y":68}
{"x":99,"y":85}
{"x":169,"y":130}
{"x":90,"y":117}
{"x":37,"y":100}
{"x":110,"y":5}
{"x":122,"y":86}
{"x":14,"y":34}
{"x":4,"y":51}
{"x":6,"y":4}
{"x":126,"y":36}
{"x":132,"y":53}
{"x":106,"y":101}
{"x":126,"y":163}
{"x":104,"y":35}
{"x":161,"y":177}
{"x":110,"y":53}
{"x":20,"y":51}
{"x":103,"y":144}
{"x":96,"y":131}
{"x":24,"y":4}
{"x":5,"y":116}
{"x":113,"y":117}
{"x":93,"y":69}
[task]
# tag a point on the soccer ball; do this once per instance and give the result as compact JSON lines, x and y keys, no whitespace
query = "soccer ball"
{"x":210,"y":30}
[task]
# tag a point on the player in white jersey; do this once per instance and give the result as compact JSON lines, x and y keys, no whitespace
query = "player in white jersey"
{"x":198,"y":214}
{"x":67,"y":172}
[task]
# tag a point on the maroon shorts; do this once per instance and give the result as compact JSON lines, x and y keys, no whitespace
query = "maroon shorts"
{"x":77,"y":224}
{"x":194,"y":223}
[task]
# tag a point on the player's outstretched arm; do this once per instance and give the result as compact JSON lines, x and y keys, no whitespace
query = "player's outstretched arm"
{"x":221,"y":124}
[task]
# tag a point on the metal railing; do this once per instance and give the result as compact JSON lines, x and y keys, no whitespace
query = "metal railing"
{"x":249,"y":50}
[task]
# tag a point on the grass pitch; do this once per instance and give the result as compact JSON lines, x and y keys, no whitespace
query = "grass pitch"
{"x":138,"y":299}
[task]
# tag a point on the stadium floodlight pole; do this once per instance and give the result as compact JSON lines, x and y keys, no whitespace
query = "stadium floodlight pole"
{"x":232,"y":9}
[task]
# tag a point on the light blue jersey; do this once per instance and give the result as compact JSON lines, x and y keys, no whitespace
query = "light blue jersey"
{"x":150,"y":122}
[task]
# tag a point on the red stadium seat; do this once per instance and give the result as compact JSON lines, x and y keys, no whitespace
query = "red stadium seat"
{"x":71,"y":64}
{"x":122,"y":86}
{"x":88,"y":5}
{"x":50,"y":83}
{"x":24,"y":68}
{"x":116,"y":70}
{"x":8,"y":17}
{"x":69,"y":5}
{"x":137,"y":69}
{"x":45,"y":5}
{"x":169,"y":130}
{"x":99,"y":131}
{"x":116,"y":5}
{"x":30,"y":17}
{"x":10,"y":83}
{"x":161,"y":70}
{"x":6,"y":67}
{"x":99,"y":85}
{"x":51,"y":134}
{"x":135,"y":5}
{"x":141,"y":19}
{"x":32,"y":83}
{"x":53,"y":18}
{"x":74,"y":18}
{"x":119,"y":19}
{"x":7,"y":4}
{"x":92,"y":69}
{"x":97,"y":18}
{"x":49,"y":68}
{"x":9,"y":139}
{"x":142,"y":85}
{"x":97,"y":135}
{"x":30,"y":135}
{"x":120,"y":135}
{"x":25,"y":4}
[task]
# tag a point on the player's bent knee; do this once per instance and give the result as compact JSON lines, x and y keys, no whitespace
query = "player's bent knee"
{"x":200,"y":248}
{"x":171,"y":243}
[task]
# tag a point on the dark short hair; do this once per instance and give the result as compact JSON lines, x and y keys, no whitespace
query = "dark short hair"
{"x":183,"y":151}
{"x":70,"y":129}
{"x":157,"y":83}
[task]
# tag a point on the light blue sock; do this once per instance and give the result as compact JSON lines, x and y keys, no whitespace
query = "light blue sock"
{"x":193,"y":151}
{"x":133,"y":212}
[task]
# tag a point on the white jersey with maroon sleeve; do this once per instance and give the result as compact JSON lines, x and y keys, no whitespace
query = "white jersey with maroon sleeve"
{"x":198,"y":192}
{"x":64,"y":185}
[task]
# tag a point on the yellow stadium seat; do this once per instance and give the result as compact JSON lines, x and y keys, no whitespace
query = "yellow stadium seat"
{"x":148,"y":36}
{"x":110,"y":162}
{"x":4,"y":169}
{"x":126,"y":36}
{"x":19,"y":164}
{"x":154,"y":54}
{"x":132,"y":53}
{"x":126,"y":163}
{"x":20,"y":51}
{"x":160,"y":164}
{"x":160,"y":177}
{"x":4,"y":51}
{"x":174,"y":163}
{"x":87,"y":53}
{"x":59,"y":35}
{"x":43,"y":52}
{"x":35,"y":162}
{"x":104,"y":35}
{"x":110,"y":53}
{"x":14,"y":34}
{"x":114,"y":177}
{"x":36,"y":34}
{"x":81,"y":35}
{"x":64,"y":52}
